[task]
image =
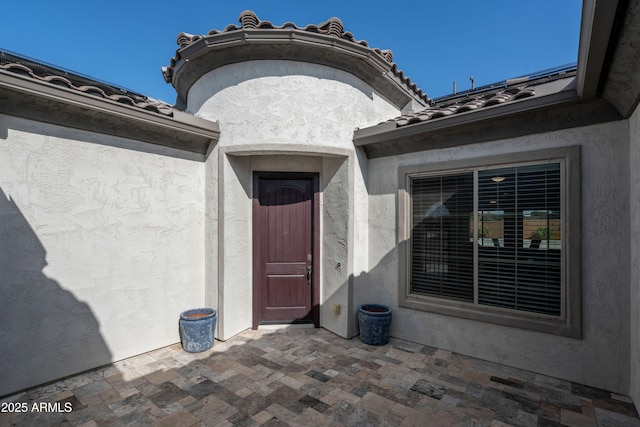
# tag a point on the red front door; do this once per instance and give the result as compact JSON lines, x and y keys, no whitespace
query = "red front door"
{"x":283,"y":248}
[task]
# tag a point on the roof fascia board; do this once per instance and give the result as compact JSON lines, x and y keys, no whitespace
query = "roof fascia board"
{"x":276,"y":36}
{"x":188,"y":124}
{"x":595,"y":31}
{"x":388,"y":130}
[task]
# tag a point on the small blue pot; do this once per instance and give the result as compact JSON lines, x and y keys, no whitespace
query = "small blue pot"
{"x":374,"y":321}
{"x":197,"y":329}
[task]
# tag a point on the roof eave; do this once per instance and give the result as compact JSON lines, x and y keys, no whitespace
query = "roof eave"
{"x":598,"y":17}
{"x":389,"y":130}
{"x":31,"y":99}
{"x":567,"y":111}
{"x":217,"y":50}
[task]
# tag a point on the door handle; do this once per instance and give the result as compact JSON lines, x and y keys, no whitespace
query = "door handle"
{"x":309,"y":275}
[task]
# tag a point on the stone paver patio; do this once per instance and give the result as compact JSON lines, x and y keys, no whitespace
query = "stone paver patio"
{"x":310,"y":377}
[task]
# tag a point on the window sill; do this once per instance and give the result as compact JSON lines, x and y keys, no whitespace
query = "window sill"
{"x":497,"y":316}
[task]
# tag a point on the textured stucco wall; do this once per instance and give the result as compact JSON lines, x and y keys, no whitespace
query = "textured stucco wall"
{"x":211,"y":232}
{"x":101,"y":248}
{"x":601,"y":357}
{"x":287,"y":101}
{"x":285,"y":108}
{"x":634,"y":190}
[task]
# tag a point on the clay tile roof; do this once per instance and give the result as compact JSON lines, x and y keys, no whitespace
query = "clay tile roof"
{"x":332,"y":27}
{"x":496,"y":94}
{"x":55,"y":76}
{"x":443,"y":109}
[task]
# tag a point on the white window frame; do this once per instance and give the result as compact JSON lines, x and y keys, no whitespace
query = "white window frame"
{"x":569,"y":323}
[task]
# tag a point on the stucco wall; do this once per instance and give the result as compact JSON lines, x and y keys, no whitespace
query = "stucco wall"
{"x":601,"y":357}
{"x":101,"y":248}
{"x":287,"y":101}
{"x":634,"y":161}
{"x":287,"y":116}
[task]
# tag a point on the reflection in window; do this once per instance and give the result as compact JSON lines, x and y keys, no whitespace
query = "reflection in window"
{"x":443,"y":254}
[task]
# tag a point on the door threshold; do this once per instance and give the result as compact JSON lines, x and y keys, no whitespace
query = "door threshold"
{"x":286,"y":326}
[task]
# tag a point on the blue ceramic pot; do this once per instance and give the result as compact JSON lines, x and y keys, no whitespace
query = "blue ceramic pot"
{"x":374,"y":321}
{"x":197,"y":329}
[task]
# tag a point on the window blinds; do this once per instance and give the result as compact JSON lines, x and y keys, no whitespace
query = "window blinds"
{"x":517,"y":237}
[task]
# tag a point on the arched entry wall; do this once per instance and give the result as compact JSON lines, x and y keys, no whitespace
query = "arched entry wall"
{"x":229,"y":276}
{"x":285,"y":116}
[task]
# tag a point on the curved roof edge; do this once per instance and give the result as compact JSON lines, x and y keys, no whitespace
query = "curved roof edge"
{"x":326,"y":44}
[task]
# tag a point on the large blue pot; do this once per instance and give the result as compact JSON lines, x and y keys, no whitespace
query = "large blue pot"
{"x":197,"y":329}
{"x":374,"y":321}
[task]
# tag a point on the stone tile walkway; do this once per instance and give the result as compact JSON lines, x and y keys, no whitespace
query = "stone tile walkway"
{"x":310,"y":377}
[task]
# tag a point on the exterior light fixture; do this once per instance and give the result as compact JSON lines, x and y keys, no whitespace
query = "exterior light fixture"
{"x":497,"y":178}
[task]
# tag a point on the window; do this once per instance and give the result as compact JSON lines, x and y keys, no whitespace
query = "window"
{"x":495,"y":240}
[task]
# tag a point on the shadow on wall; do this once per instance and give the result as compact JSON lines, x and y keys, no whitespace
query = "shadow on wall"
{"x":46,"y":333}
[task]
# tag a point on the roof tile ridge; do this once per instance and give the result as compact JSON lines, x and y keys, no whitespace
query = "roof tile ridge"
{"x":333,"y":27}
{"x":407,"y":81}
{"x":185,"y":39}
{"x":248,"y":19}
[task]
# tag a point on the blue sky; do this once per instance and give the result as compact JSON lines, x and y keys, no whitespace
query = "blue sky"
{"x":433,"y":41}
